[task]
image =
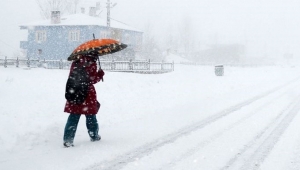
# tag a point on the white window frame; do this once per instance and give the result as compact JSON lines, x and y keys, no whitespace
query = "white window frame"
{"x":74,"y":35}
{"x":40,"y":36}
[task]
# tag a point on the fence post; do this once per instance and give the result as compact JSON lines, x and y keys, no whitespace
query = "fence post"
{"x":17,"y":62}
{"x":112,"y":64}
{"x":173,"y":65}
{"x":130,"y":65}
{"x":60,"y":65}
{"x":28,"y":62}
{"x":148,"y":65}
{"x":38,"y":62}
{"x":44,"y":63}
{"x":5,"y":62}
{"x":162,"y":65}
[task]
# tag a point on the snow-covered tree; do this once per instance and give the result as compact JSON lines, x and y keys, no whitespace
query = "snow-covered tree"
{"x":150,"y":48}
{"x":171,"y":41}
{"x":186,"y":36}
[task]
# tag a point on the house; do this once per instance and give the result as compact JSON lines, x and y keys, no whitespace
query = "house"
{"x":58,"y":37}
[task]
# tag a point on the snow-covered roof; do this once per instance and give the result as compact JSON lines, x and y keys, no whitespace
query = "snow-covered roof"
{"x":82,"y":19}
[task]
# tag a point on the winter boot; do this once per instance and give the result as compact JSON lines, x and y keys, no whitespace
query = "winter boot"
{"x":68,"y":144}
{"x":96,"y":138}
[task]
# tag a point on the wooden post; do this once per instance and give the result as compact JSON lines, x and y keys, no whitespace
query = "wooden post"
{"x":60,"y":66}
{"x":112,"y":64}
{"x":5,"y":62}
{"x":17,"y":62}
{"x":130,"y":65}
{"x":148,"y":64}
{"x":38,"y":62}
{"x":173,"y":65}
{"x":44,"y":64}
{"x":28,"y":62}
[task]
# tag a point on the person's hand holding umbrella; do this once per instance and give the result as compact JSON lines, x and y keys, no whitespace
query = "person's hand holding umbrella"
{"x":97,"y":47}
{"x":101,"y":73}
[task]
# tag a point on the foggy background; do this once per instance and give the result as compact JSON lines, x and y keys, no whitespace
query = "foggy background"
{"x":200,"y":30}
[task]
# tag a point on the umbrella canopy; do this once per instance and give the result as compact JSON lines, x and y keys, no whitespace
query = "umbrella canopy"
{"x":97,"y":47}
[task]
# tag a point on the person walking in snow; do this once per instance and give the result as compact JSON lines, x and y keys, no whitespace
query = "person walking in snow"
{"x":89,"y":106}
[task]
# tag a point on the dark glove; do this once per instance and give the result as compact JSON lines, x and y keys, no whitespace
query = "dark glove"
{"x":101,"y":73}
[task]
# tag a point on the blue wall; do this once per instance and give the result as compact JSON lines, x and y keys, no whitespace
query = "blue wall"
{"x":58,"y":46}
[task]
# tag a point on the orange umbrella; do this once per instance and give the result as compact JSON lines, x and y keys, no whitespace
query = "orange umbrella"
{"x":97,"y":47}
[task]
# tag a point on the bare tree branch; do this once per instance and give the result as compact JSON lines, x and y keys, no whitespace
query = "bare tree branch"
{"x":64,"y":6}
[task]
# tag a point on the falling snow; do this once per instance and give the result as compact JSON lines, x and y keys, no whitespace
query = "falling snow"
{"x":186,"y":119}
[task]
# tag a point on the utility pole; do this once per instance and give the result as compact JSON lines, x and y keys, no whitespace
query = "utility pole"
{"x":109,"y":6}
{"x":108,"y":13}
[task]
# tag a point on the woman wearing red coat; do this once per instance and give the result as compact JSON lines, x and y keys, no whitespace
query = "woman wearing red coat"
{"x":89,"y":107}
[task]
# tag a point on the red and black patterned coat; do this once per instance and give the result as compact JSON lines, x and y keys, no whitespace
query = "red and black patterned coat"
{"x":90,"y":105}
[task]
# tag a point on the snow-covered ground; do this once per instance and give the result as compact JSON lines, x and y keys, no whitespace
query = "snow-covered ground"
{"x":188,"y":119}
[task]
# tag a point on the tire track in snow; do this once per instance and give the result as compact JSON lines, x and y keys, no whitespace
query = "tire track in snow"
{"x":264,"y":141}
{"x":266,"y":147}
{"x":217,"y":135}
{"x":295,"y":159}
{"x":122,"y":160}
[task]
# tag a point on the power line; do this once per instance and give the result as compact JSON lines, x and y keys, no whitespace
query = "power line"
{"x":8,"y":45}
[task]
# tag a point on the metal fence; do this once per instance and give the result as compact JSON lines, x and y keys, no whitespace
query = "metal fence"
{"x":133,"y":65}
{"x":111,"y":65}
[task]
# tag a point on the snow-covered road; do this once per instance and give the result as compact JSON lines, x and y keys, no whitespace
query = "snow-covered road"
{"x":254,"y":126}
{"x":188,"y":119}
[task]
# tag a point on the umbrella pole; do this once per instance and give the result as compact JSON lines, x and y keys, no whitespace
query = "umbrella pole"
{"x":99,"y":66}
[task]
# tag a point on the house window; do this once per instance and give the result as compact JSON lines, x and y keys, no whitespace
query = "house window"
{"x":40,"y":36}
{"x":74,"y":35}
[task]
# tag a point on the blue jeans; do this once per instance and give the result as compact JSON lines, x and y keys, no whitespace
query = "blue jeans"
{"x":71,"y":127}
